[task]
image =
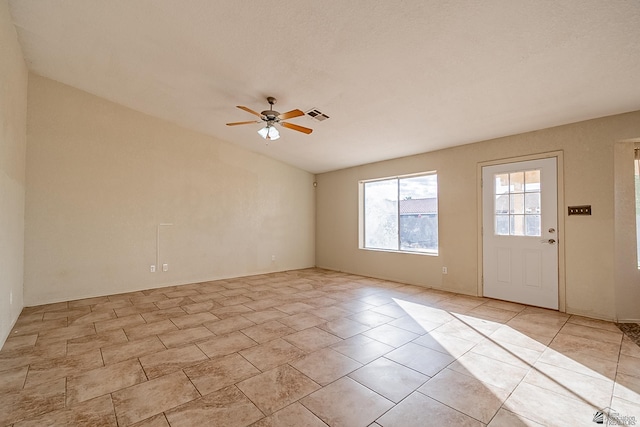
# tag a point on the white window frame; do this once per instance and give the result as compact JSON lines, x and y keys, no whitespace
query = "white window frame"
{"x":361,"y":216}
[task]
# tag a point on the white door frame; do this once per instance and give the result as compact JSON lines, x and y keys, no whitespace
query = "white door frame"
{"x":561,"y":217}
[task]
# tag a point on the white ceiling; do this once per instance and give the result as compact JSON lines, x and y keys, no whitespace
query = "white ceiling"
{"x":396,"y":77}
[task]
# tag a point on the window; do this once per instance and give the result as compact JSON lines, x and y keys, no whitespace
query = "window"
{"x":517,"y":205}
{"x":637,"y":176}
{"x":401,"y":214}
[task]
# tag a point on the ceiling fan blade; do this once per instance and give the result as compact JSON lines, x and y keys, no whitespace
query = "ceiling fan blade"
{"x":296,"y":127}
{"x":242,"y":123}
{"x":290,"y":114}
{"x":248,"y":110}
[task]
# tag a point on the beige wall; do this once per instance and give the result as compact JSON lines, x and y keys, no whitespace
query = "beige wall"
{"x":13,"y":117}
{"x":101,"y":177}
{"x":589,"y":246}
{"x":627,"y":275}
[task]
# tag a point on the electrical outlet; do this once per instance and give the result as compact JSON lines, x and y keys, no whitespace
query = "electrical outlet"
{"x":273,"y":257}
{"x":165,"y":267}
{"x":445,"y":270}
{"x":152,"y":269}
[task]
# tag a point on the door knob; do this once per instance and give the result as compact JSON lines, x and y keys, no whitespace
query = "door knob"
{"x":551,"y":241}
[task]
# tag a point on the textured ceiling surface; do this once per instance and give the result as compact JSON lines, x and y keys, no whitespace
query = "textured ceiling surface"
{"x":396,"y":77}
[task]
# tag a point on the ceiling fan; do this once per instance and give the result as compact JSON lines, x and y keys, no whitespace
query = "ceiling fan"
{"x":271,"y":117}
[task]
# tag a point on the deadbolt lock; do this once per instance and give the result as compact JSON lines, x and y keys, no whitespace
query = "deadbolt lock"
{"x":552,"y":230}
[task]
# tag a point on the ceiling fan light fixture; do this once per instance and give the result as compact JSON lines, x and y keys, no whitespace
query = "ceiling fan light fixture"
{"x":269,"y":132}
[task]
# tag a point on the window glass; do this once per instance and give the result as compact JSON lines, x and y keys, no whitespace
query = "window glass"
{"x":401,"y":214}
{"x":517,"y":203}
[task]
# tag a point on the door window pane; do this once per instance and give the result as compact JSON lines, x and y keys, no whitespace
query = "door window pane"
{"x":517,"y":203}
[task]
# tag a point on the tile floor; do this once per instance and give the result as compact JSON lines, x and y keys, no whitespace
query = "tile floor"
{"x":313,"y":348}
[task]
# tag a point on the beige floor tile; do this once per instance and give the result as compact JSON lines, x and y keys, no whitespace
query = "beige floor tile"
{"x":507,"y":353}
{"x":343,"y":327}
{"x":626,"y":412}
{"x":346,"y":403}
{"x":531,"y":328}
{"x":578,"y":362}
{"x":571,"y":345}
{"x":506,"y":418}
{"x":362,"y":349}
{"x":446,"y":344}
{"x":227,"y":407}
{"x":168,"y":361}
{"x":180,"y":337}
{"x":23,"y":356}
{"x":156,"y":421}
{"x":301,"y":321}
{"x":149,"y":398}
{"x":392,"y":310}
{"x":263,"y":316}
{"x":105,"y":380}
{"x":627,"y":387}
{"x":92,"y":342}
{"x":95,"y":412}
{"x":548,"y":408}
{"x":389,"y":379}
{"x":66,"y":333}
{"x":267,"y":331}
{"x":295,"y":308}
{"x":294,"y":415}
{"x":230,"y":324}
{"x":574,"y":385}
{"x":192,"y":320}
{"x":277,"y":388}
{"x":424,"y":360}
{"x":594,"y":323}
{"x":119,"y":323}
{"x":629,"y":365}
{"x":629,"y":348}
{"x":330,"y":313}
{"x":505,"y":305}
{"x":492,"y":313}
{"x":325,"y":366}
{"x":410,"y":324}
{"x":509,"y":335}
{"x":136,"y":309}
{"x":149,"y":329}
{"x":18,"y":342}
{"x":271,"y":354}
{"x":592,"y":333}
{"x":371,"y":318}
{"x":233,"y":310}
{"x":32,"y":401}
{"x":91,"y":317}
{"x":13,"y":379}
{"x":163,"y":314}
{"x":221,"y":372}
{"x":132,"y":349}
{"x":88,"y":301}
{"x":174,"y":302}
{"x":47,"y":370}
{"x":311,"y":339}
{"x":419,"y":410}
{"x":490,"y":371}
{"x":390,"y":335}
{"x":226,"y":344}
{"x":465,"y":394}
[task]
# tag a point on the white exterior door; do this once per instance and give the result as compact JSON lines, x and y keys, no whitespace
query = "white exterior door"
{"x":519,"y":235}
